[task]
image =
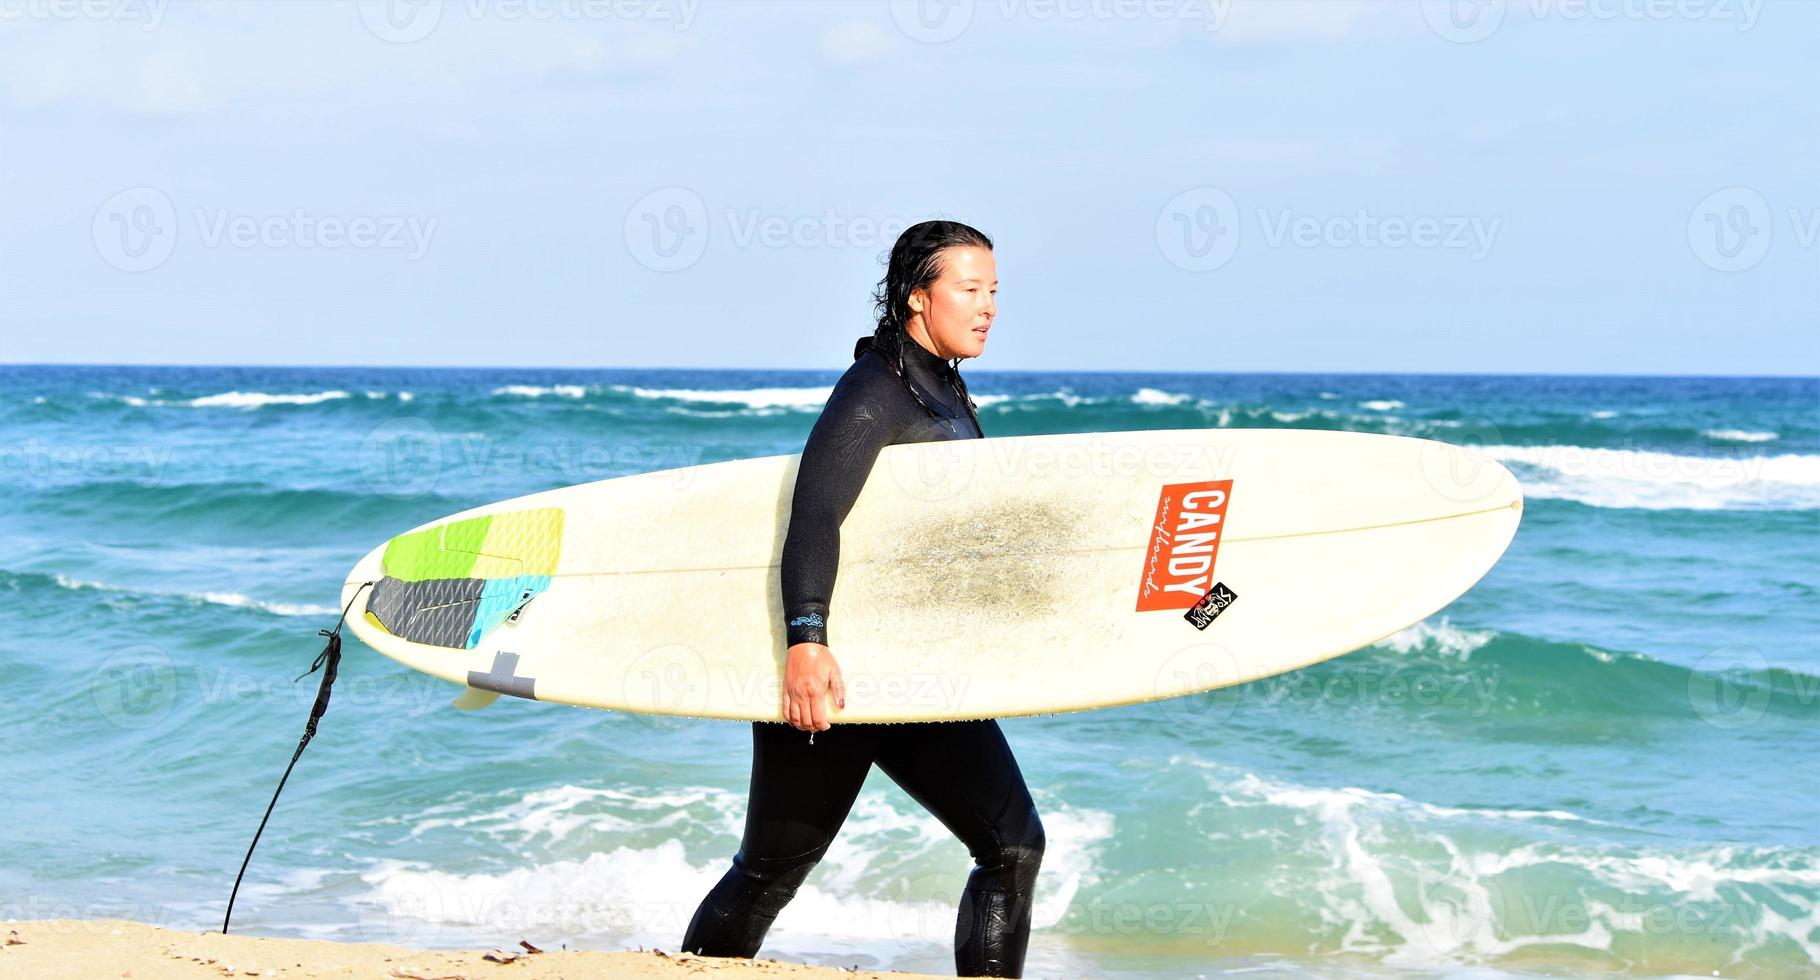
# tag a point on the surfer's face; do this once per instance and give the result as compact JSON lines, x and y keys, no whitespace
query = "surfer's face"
{"x":957,"y":309}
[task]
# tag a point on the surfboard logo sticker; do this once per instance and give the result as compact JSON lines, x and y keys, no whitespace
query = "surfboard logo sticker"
{"x":1210,"y":606}
{"x":1184,"y":543}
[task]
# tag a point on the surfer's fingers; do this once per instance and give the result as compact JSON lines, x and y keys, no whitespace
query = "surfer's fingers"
{"x":818,"y":711}
{"x":838,"y":687}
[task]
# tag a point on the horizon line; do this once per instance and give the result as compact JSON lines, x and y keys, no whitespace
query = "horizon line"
{"x":784,"y":370}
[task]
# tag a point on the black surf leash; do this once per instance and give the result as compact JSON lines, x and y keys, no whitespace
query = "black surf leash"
{"x":329,"y":661}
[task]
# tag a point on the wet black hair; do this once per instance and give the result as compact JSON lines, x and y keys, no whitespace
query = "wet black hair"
{"x":916,"y":262}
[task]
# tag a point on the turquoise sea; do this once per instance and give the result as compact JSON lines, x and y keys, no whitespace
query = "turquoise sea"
{"x":1600,"y":760}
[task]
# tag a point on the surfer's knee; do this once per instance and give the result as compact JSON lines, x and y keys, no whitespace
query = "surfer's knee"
{"x":1015,"y":857}
{"x":1026,"y":853}
{"x":775,"y":880}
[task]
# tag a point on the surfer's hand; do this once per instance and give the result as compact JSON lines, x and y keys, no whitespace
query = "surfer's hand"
{"x":811,"y":678}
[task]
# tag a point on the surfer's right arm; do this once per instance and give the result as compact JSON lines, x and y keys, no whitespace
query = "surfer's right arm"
{"x":854,"y":426}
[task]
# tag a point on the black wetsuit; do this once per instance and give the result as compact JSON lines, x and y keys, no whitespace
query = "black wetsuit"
{"x":962,"y":772}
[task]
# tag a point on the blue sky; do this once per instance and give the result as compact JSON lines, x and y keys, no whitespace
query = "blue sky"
{"x":1605,"y":186}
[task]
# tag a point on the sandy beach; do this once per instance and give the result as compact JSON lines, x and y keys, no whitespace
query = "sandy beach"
{"x":77,"y":949}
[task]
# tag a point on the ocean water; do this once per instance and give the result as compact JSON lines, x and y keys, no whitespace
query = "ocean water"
{"x":1600,"y":760}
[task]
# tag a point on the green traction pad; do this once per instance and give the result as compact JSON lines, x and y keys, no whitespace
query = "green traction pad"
{"x":449,"y":585}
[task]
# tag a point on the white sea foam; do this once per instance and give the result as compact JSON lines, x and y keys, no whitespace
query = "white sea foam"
{"x":260,"y":399}
{"x":133,"y":400}
{"x":1384,"y":405}
{"x":1603,"y":413}
{"x":1740,"y":435}
{"x":1152,"y":396}
{"x":539,"y":391}
{"x":276,"y":608}
{"x":212,"y":598}
{"x":1650,"y":480}
{"x":798,"y":398}
{"x":1442,"y":637}
{"x":1426,"y":884}
{"x":764,"y":401}
{"x":891,"y":876}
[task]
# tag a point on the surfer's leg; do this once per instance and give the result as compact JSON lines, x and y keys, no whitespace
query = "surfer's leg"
{"x":963,"y":772}
{"x":800,"y":795}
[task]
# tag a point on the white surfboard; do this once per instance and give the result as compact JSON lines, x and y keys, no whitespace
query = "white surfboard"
{"x":978,"y":578}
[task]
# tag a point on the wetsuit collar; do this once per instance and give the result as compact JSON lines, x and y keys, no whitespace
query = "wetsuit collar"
{"x":930,"y":361}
